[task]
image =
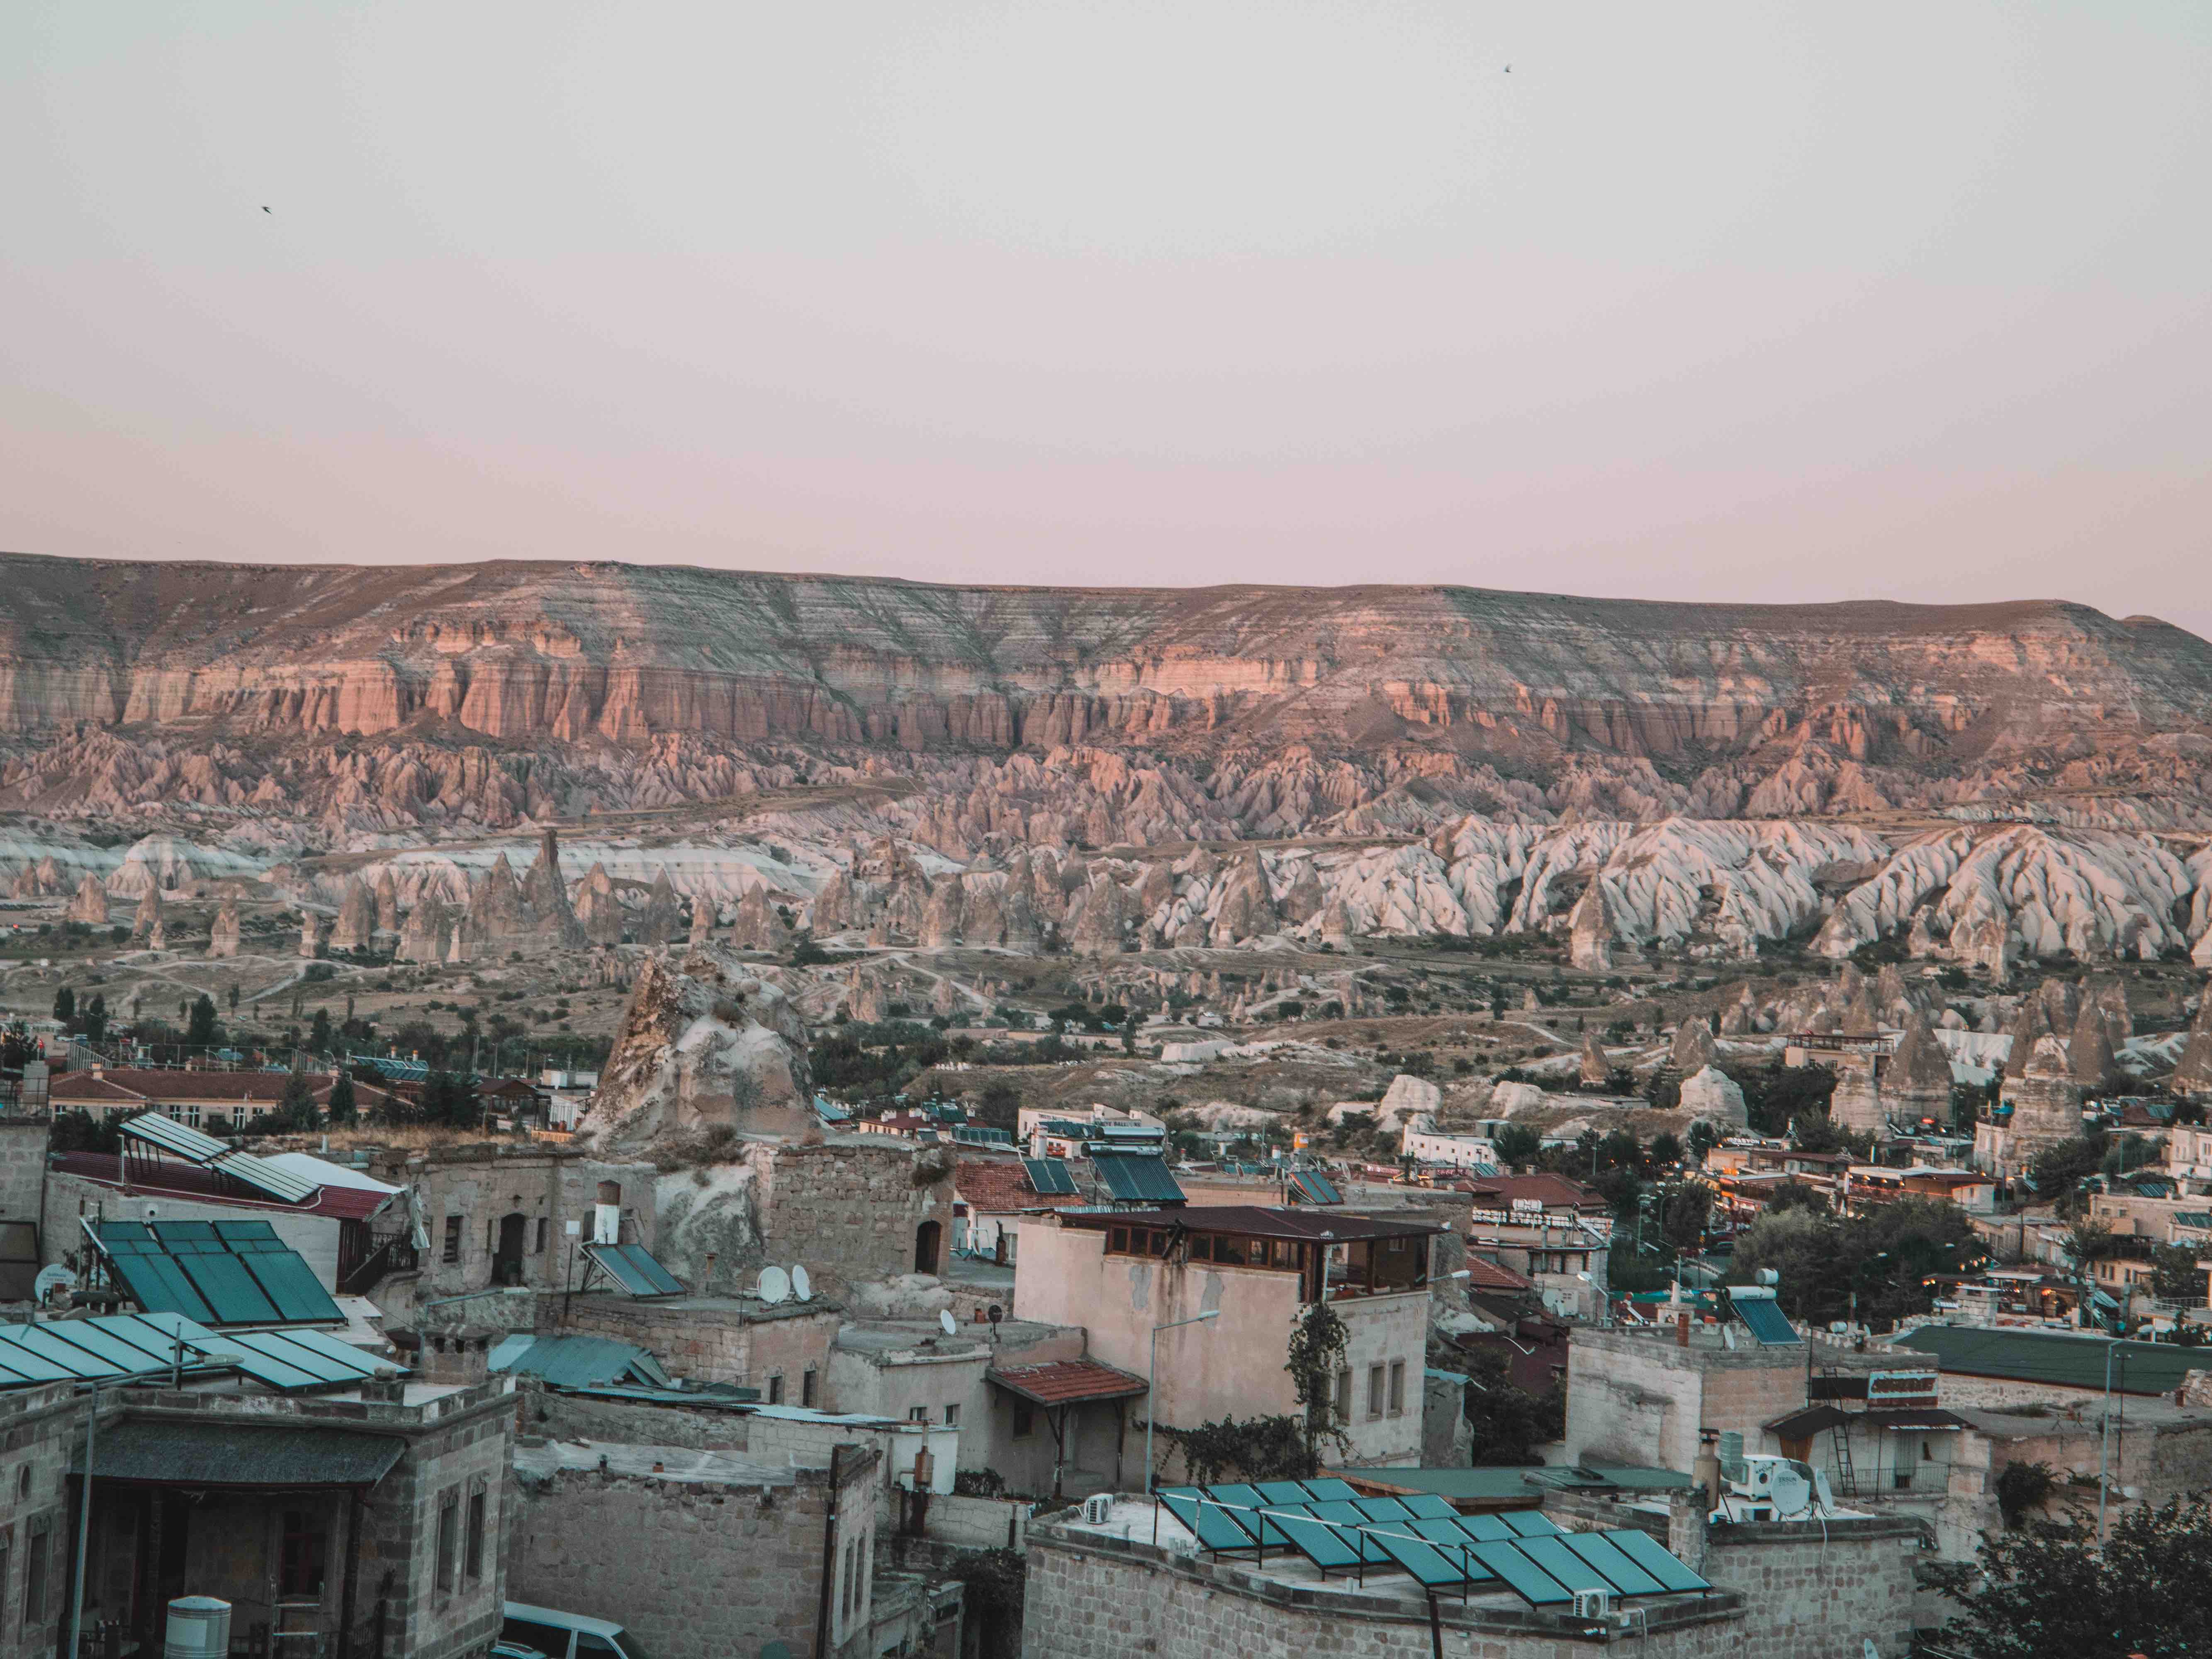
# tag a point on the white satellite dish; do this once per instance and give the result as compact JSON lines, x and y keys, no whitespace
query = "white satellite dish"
{"x":801,"y":1286}
{"x":945,"y":1318}
{"x":50,"y":1280}
{"x":774,"y":1286}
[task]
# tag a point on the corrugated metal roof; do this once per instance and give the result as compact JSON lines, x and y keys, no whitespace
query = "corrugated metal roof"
{"x":580,"y":1362}
{"x":1068,"y":1382}
{"x":235,"y":1454}
{"x":2071,"y":1362}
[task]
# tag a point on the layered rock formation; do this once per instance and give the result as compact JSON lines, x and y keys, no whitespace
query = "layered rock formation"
{"x":90,"y":904}
{"x":704,"y":1043}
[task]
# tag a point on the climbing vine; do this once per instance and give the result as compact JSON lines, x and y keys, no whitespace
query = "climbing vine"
{"x":1317,"y":1354}
{"x":1258,"y":1448}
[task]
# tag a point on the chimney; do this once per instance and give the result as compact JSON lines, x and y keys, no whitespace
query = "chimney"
{"x":1682,"y":1330}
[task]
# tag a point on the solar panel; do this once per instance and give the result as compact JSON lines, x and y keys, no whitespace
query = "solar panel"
{"x":209,"y":1153}
{"x":221,"y":1279}
{"x":1565,"y":1564}
{"x":1212,"y":1525}
{"x":287,"y":1280}
{"x":1601,"y":1553}
{"x":1315,"y":1187}
{"x":1426,"y":1506}
{"x":1430,"y":1567}
{"x":1647,"y":1553}
{"x":1322,"y":1544}
{"x":1522,"y":1576}
{"x":1137,"y":1177}
{"x":297,"y":1359}
{"x":29,"y":1362}
{"x":239,"y":1233}
{"x":1530,"y":1523}
{"x":1487,"y":1529}
{"x":1349,"y":1515}
{"x":1385,"y":1509}
{"x":1763,"y":1316}
{"x":633,"y":1268}
{"x":1328,"y":1489}
{"x":157,"y":1284}
{"x":1283,"y":1492}
{"x":1049,"y":1176}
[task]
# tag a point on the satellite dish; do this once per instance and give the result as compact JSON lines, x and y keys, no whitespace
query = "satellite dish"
{"x":774,"y":1286}
{"x":945,"y":1319}
{"x":50,"y":1280}
{"x":801,"y":1286}
{"x":998,"y":1313}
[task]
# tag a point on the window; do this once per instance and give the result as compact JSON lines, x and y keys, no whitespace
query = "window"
{"x":453,"y":1238}
{"x":1117,"y":1240}
{"x":472,"y":1558}
{"x":1343,"y":1396}
{"x":952,"y":1417}
{"x":448,"y":1517}
{"x":301,"y":1554}
{"x":551,"y":1640}
{"x":917,"y":1414}
{"x":34,"y":1574}
{"x":542,"y":1224}
{"x":1024,"y":1418}
{"x":1397,"y":1387}
{"x":1375,"y":1391}
{"x":598,"y":1646}
{"x":807,"y":1384}
{"x":776,"y":1389}
{"x":1228,"y":1250}
{"x":1201,"y":1248}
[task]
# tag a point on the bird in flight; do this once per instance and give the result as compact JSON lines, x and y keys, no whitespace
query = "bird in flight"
{"x":265,"y":209}
{"x":1509,"y":69}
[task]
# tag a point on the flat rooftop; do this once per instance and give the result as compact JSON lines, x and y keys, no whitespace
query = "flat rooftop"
{"x":678,"y":1464}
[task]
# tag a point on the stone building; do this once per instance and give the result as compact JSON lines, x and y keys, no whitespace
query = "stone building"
{"x":495,"y":1214}
{"x":705,"y":1553}
{"x":1638,"y":1396}
{"x":781,"y":1349}
{"x":374,"y":1511}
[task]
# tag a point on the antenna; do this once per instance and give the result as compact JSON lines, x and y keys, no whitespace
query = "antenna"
{"x":945,"y":1319}
{"x":802,"y":1287}
{"x":774,"y":1286}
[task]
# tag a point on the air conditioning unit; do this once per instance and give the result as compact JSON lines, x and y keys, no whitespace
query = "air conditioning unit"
{"x":1096,"y":1509}
{"x":1593,"y":1604}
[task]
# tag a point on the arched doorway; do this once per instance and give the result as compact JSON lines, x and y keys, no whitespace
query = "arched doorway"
{"x":507,"y":1259}
{"x":925,"y":1247}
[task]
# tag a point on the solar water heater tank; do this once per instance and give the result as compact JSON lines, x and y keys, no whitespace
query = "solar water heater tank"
{"x":199,"y":1628}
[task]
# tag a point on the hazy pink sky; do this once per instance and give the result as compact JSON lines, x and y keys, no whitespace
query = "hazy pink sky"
{"x":1716,"y":302}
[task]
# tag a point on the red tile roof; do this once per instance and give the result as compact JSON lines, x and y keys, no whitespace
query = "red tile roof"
{"x":1553,"y":1191}
{"x":122,"y":1083}
{"x":1067,"y":1382}
{"x":998,"y":1186}
{"x":1491,"y":1276}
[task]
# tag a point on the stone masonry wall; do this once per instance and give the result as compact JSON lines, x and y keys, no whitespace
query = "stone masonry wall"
{"x":699,"y":1570}
{"x":42,"y":1429}
{"x":468,"y":1453}
{"x":1110,"y":1600}
{"x":22,"y":1167}
{"x":714,"y":1345}
{"x":848,"y":1209}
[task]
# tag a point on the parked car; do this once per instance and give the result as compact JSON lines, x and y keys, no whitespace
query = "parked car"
{"x":567,"y":1635}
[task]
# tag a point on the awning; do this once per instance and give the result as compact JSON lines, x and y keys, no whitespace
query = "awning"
{"x":234,"y":1454}
{"x":1803,"y":1425}
{"x":1927,"y":1420}
{"x":1067,"y":1382}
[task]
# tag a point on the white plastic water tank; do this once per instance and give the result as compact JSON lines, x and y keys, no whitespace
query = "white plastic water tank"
{"x":199,"y":1628}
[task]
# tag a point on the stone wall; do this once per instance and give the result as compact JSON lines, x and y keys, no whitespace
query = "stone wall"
{"x":716,"y":1341}
{"x":481,"y":1185}
{"x":1785,"y":1592}
{"x":1636,"y":1398}
{"x":40,"y":1431}
{"x":700,"y":1569}
{"x":22,"y":1167}
{"x":1091,"y":1596}
{"x":849,"y":1208}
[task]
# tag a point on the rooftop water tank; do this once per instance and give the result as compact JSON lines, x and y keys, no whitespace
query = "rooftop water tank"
{"x":199,"y":1628}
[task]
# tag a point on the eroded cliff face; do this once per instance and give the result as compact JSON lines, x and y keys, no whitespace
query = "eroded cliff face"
{"x":360,"y":701}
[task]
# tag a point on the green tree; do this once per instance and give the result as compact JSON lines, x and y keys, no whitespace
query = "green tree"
{"x":1509,"y":1423}
{"x":65,"y":1005}
{"x":200,"y":1033}
{"x":2046,"y":1588}
{"x":1703,"y":1138}
{"x":318,"y":1035}
{"x":341,"y":1107}
{"x":1666,"y":1151}
{"x":1689,"y":1205}
{"x":2058,"y":1169}
{"x":2175,"y":1276}
{"x":95,"y":1017}
{"x":297,"y":1109}
{"x":1518,"y":1143}
{"x":234,"y":996}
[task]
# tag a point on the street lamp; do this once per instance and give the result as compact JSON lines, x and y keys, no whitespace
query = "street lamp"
{"x":1151,"y":1399}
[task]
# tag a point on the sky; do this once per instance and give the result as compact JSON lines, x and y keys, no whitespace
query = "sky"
{"x":1763,"y":302}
